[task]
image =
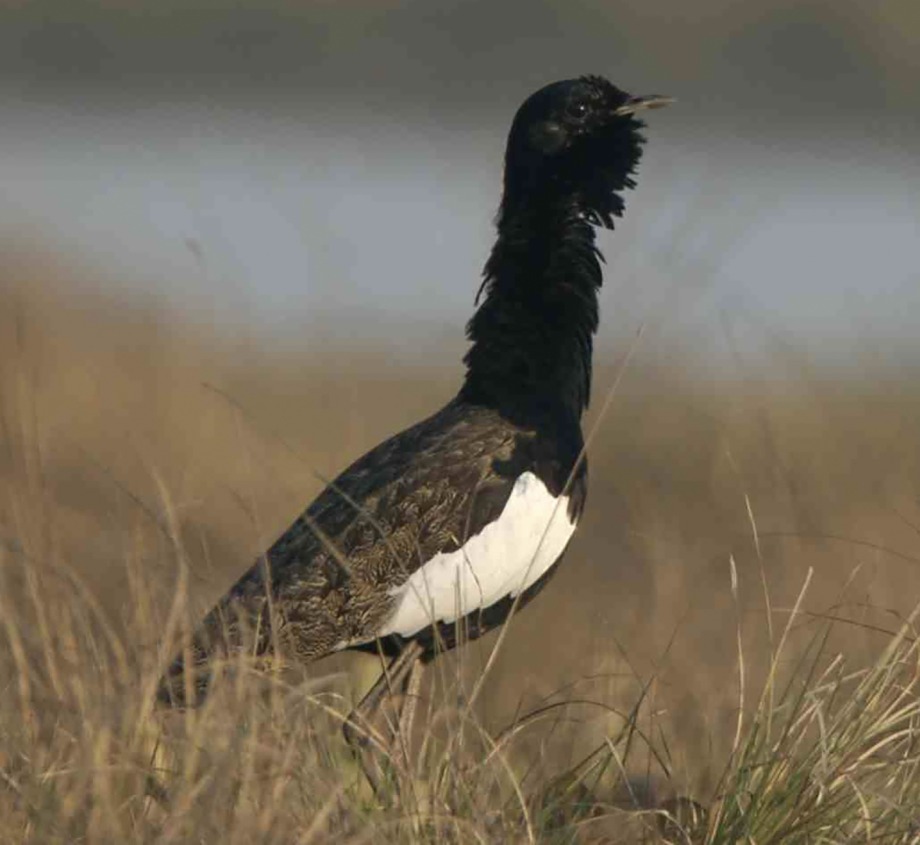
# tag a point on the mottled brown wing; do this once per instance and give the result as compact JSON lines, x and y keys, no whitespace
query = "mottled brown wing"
{"x":422,"y":492}
{"x":326,"y":580}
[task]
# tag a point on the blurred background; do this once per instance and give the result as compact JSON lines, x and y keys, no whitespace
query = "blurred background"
{"x":305,"y":167}
{"x":239,"y":242}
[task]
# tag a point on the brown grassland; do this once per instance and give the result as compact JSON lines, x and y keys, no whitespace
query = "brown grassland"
{"x":732,"y":623}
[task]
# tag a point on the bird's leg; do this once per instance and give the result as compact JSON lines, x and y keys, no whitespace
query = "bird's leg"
{"x":357,"y":728}
{"x":407,"y":710}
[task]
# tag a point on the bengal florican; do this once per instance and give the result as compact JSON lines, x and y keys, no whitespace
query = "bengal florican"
{"x":449,"y":523}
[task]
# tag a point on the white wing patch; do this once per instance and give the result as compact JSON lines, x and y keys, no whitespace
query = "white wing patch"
{"x":503,"y":559}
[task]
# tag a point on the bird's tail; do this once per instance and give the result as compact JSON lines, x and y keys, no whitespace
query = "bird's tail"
{"x":229,"y":633}
{"x":186,"y":681}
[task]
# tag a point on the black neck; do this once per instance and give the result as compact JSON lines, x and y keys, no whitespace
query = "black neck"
{"x":532,"y":334}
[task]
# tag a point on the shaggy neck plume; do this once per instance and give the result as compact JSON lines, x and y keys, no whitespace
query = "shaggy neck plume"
{"x":532,"y":334}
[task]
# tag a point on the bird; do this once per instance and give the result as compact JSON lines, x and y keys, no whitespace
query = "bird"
{"x":434,"y":535}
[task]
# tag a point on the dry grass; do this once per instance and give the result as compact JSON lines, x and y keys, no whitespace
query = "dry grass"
{"x":144,"y":460}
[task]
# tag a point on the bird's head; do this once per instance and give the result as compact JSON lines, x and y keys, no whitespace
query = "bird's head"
{"x":576,"y":142}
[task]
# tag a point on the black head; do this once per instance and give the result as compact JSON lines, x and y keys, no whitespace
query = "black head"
{"x":576,"y":143}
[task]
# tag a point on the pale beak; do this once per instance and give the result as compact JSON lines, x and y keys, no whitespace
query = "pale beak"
{"x":647,"y":101}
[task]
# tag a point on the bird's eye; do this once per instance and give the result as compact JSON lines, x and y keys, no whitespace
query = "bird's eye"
{"x":577,"y":109}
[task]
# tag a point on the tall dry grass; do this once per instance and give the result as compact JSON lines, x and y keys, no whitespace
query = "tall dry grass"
{"x":144,"y":460}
